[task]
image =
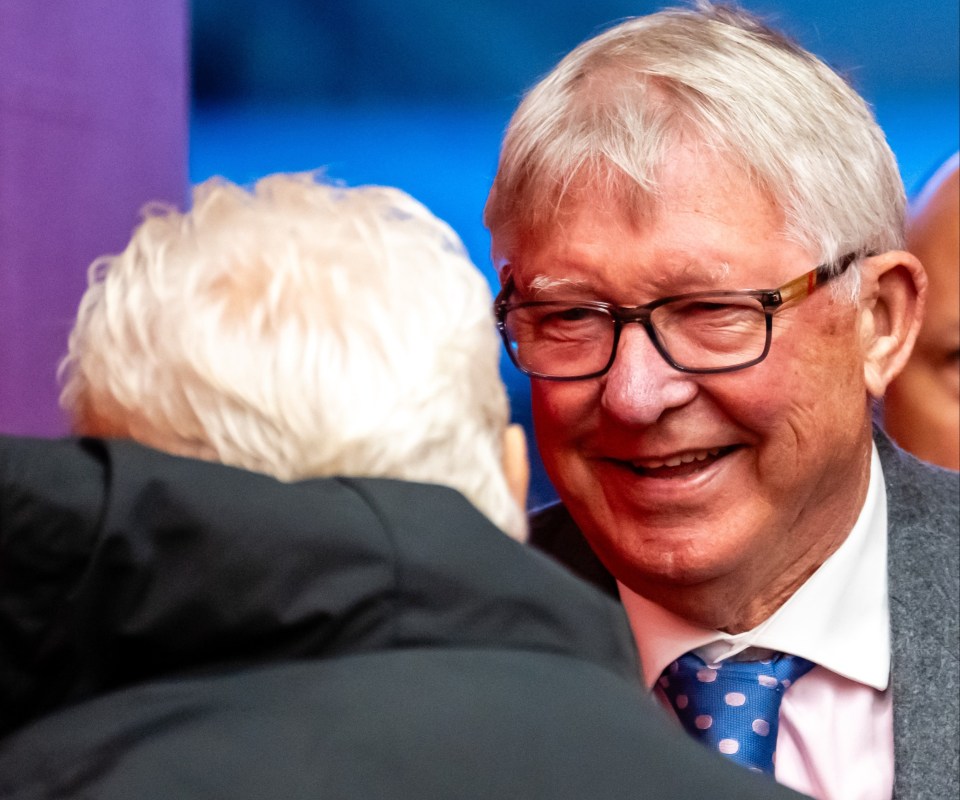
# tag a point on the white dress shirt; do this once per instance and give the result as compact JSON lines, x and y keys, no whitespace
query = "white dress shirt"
{"x":836,"y":722}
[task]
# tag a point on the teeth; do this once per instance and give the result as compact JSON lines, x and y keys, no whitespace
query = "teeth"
{"x":677,"y":460}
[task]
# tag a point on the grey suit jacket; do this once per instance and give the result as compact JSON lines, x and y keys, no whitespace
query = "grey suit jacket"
{"x":924,"y":551}
{"x":923,"y":517}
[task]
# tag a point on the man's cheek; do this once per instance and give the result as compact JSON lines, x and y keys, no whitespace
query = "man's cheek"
{"x":554,"y":405}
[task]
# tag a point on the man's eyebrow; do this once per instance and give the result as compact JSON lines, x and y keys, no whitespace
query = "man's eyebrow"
{"x":692,"y":274}
{"x":544,"y":284}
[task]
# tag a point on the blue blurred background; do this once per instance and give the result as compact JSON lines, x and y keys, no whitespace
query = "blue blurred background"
{"x":417,"y":94}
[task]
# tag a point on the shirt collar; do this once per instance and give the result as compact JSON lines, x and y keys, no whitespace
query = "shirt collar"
{"x":839,"y":618}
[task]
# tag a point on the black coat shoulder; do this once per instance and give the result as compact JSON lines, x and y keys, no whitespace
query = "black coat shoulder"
{"x":216,"y":633}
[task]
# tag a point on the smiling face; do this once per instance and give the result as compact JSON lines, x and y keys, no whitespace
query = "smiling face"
{"x":713,"y":495}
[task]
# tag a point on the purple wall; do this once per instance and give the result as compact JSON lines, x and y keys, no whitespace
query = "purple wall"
{"x":93,"y":124}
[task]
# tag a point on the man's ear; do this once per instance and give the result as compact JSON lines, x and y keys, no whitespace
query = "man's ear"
{"x":516,"y":464}
{"x":893,"y":290}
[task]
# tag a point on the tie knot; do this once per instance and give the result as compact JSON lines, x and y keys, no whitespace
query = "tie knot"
{"x":775,"y":673}
{"x":733,"y":706}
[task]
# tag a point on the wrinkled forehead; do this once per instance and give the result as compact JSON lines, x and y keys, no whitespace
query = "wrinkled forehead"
{"x":537,"y":210}
{"x":716,"y":208}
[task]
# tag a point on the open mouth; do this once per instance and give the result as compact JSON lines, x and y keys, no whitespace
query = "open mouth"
{"x":679,"y":465}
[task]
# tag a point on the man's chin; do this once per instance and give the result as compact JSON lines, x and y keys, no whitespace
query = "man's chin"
{"x":680,"y":554}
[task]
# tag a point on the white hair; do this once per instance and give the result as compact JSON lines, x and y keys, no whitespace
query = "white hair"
{"x":608,"y":116}
{"x":298,"y":329}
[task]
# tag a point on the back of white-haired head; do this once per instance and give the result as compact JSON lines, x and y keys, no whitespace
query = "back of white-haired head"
{"x":298,"y":329}
{"x":609,"y":116}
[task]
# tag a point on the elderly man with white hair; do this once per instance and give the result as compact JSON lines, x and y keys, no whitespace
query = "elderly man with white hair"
{"x":174,"y":627}
{"x":699,"y":231}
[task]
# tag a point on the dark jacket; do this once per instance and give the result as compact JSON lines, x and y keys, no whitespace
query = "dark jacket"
{"x":176,"y":629}
{"x":923,"y":517}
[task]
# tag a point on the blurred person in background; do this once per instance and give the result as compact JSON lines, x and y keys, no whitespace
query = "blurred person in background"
{"x":921,"y":409}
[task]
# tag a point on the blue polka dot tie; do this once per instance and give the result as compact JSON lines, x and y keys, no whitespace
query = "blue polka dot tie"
{"x":734,"y":706}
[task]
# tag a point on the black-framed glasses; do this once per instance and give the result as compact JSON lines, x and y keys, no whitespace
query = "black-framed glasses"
{"x":702,"y":332}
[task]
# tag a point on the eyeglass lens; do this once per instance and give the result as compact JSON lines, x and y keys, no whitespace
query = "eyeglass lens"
{"x":564,"y":341}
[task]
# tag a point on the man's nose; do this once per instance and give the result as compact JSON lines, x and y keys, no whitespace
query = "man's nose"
{"x":641,"y":385}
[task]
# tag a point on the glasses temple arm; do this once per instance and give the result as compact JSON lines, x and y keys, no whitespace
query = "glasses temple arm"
{"x":801,"y":287}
